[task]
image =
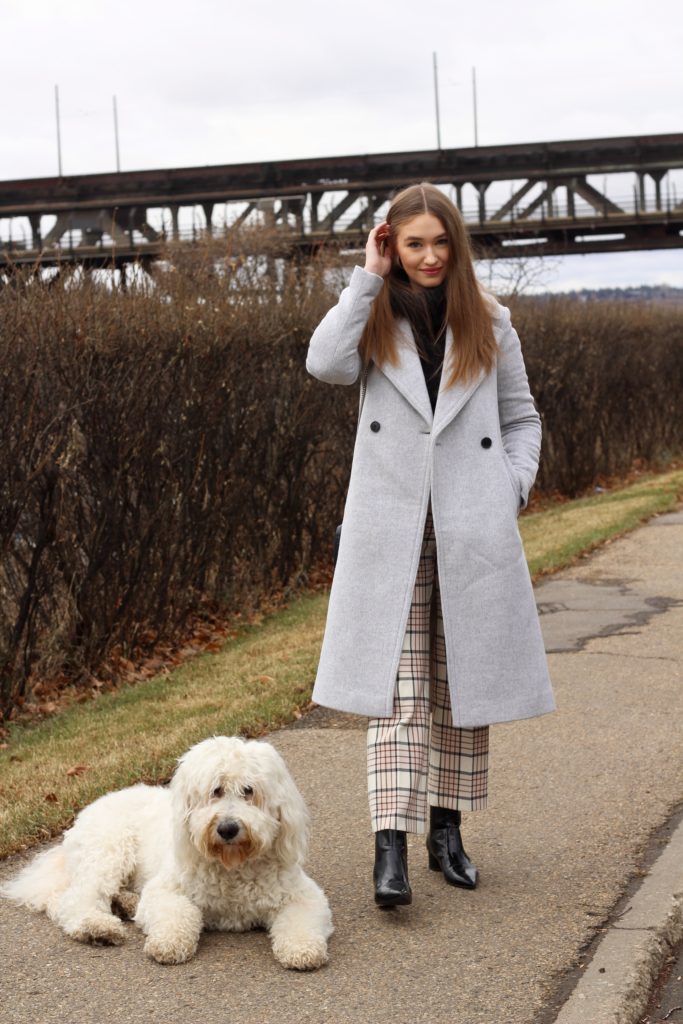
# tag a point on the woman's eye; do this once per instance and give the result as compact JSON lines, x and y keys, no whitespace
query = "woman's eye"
{"x":217,"y":792}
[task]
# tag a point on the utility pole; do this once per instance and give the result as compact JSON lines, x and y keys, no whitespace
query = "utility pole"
{"x":59,"y":133}
{"x":116,"y":137}
{"x":436,"y":101}
{"x":474,"y":102}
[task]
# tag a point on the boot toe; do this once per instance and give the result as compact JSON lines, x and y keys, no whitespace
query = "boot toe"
{"x":388,"y":897}
{"x":466,"y":879}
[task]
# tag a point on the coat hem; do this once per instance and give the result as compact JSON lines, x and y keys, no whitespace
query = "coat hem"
{"x":476,"y":723}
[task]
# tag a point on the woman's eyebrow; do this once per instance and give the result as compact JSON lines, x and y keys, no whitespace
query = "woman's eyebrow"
{"x":418,"y":238}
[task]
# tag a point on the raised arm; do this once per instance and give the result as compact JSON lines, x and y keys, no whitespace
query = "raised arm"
{"x":333,"y":350}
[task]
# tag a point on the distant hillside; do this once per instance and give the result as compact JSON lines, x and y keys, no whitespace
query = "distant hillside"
{"x":642,"y":293}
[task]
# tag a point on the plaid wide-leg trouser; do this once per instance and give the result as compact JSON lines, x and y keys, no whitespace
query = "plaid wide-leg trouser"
{"x":417,"y":756}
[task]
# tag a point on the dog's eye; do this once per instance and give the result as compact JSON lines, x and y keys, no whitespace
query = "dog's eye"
{"x":217,"y":792}
{"x":247,"y":792}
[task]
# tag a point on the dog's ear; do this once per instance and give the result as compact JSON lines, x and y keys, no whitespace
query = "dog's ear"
{"x":291,"y":843}
{"x":181,"y":788}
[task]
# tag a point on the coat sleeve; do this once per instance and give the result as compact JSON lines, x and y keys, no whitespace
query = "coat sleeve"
{"x":333,"y":350}
{"x":520,"y":423}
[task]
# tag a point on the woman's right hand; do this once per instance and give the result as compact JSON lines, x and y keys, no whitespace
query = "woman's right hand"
{"x":378,"y":253}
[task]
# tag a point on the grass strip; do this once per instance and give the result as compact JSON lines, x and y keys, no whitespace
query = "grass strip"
{"x":557,"y":536}
{"x":52,"y":768}
{"x":257,"y":682}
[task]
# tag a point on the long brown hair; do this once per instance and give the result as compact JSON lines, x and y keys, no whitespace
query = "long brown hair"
{"x":467,"y":315}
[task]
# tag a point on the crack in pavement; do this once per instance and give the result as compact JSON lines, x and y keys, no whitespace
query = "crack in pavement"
{"x":574,"y":611}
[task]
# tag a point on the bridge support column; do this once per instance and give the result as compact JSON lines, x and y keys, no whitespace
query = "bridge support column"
{"x":458,"y":195}
{"x":267,"y":208}
{"x":657,"y":178}
{"x":481,"y":187}
{"x":208,"y":213}
{"x":175,"y":233}
{"x":642,"y":196}
{"x":295,"y":205}
{"x":571,"y":205}
{"x":36,"y":237}
{"x":292,"y":205}
{"x":371,"y":205}
{"x":315,"y":203}
{"x":550,"y":200}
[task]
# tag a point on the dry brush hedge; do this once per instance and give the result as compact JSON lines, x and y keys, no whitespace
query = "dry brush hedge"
{"x":162,"y":449}
{"x":608,"y":381}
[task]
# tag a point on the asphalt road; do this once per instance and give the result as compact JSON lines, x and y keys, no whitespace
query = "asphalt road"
{"x":576,"y":798}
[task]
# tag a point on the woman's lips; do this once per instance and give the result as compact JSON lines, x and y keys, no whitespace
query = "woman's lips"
{"x":432,"y":270}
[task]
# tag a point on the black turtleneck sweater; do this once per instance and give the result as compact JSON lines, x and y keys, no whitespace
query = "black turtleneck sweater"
{"x":425,"y":310}
{"x":430,"y":336}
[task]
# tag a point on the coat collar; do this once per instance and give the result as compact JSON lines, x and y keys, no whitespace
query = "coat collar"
{"x":408,"y":378}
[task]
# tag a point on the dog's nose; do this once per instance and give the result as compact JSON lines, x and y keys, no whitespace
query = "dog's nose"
{"x":227,"y":830}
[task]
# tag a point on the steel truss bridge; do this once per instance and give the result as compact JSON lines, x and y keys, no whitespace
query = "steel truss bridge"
{"x":536,"y":198}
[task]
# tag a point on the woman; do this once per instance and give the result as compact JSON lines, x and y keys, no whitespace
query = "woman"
{"x":432,"y":628}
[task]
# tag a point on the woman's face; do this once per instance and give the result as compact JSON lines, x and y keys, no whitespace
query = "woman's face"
{"x":421,"y":244}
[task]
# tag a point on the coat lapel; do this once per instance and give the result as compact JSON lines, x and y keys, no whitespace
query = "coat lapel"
{"x":407,"y":376}
{"x":451,"y":400}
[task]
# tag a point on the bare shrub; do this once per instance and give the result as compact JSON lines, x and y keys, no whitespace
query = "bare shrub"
{"x":608,"y":382}
{"x":159,"y":447}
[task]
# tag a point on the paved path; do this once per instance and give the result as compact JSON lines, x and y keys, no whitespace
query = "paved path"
{"x":575,"y":799}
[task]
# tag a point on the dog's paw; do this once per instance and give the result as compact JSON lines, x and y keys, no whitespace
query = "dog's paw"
{"x":100,"y":930}
{"x":125,"y":904}
{"x":303,"y":954}
{"x":170,"y":949}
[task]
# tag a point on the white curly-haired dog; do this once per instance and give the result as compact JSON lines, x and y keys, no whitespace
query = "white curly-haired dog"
{"x":220,"y":848}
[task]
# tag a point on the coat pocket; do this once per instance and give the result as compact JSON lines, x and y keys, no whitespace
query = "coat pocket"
{"x":514,"y":481}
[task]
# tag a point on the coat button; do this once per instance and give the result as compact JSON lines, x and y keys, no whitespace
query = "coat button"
{"x":374,"y":426}
{"x":486,"y":442}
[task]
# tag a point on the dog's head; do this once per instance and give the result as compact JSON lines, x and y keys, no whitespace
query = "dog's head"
{"x":234,"y":799}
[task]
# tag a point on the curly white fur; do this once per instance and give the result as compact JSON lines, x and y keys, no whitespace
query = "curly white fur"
{"x":221,"y":848}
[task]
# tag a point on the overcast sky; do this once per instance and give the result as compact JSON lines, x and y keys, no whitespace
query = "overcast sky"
{"x":216,"y":81}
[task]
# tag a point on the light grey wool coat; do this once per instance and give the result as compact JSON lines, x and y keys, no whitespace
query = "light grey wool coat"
{"x":476,"y":457}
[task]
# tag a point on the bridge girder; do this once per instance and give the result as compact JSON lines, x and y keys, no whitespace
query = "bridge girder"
{"x":550,"y":197}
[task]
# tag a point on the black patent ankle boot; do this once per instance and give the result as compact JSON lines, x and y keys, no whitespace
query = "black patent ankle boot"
{"x":390,"y":875}
{"x":446,"y":853}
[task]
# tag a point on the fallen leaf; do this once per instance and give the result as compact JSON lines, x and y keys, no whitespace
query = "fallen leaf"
{"x":50,"y":798}
{"x":77,"y":769}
